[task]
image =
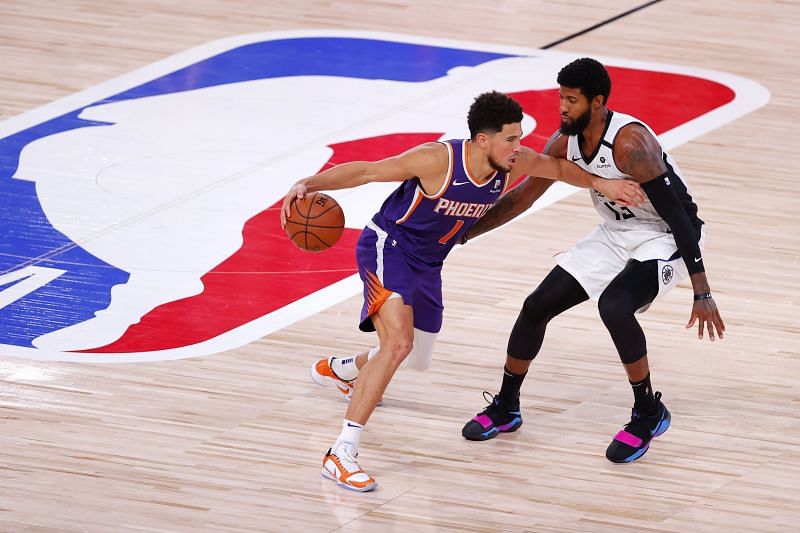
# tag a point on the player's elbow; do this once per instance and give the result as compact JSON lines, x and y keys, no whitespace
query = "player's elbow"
{"x":369,"y":172}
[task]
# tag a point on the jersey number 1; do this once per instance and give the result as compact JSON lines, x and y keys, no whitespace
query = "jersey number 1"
{"x":452,"y":232}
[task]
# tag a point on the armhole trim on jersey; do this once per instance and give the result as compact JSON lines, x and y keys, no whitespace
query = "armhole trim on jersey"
{"x":465,"y":164}
{"x":508,"y":182}
{"x":447,"y":177}
{"x":418,"y":194}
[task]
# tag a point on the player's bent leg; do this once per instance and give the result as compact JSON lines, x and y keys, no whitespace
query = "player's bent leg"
{"x":632,"y":289}
{"x":558,"y":292}
{"x":394,"y":324}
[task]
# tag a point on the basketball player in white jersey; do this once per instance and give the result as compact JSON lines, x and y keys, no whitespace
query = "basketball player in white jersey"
{"x":630,"y":260}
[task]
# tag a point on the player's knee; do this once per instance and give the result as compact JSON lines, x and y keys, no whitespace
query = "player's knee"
{"x":398,"y":349}
{"x":532,"y":308}
{"x":522,"y":341}
{"x":613,"y":309}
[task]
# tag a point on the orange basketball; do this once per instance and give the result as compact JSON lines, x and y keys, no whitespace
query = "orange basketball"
{"x":315,"y":223}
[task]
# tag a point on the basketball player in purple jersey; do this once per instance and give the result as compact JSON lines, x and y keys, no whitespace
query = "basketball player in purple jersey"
{"x":447,"y":187}
{"x":629,"y":261}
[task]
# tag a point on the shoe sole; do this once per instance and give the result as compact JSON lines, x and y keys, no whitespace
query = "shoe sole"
{"x":663,"y":426}
{"x":511,"y":427}
{"x":367,"y":488}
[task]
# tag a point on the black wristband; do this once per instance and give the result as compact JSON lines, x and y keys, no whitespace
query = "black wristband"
{"x":702,"y":296}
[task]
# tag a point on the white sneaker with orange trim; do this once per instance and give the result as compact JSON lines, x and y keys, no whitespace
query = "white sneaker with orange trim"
{"x":322,"y":374}
{"x":341,"y":466}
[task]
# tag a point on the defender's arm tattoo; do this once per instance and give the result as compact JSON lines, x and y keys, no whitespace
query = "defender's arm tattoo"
{"x":638,"y":154}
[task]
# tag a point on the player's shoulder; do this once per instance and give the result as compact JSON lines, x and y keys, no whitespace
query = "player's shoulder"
{"x":629,"y":128}
{"x":556,"y":145}
{"x":635,"y":136}
{"x":431,"y":155}
{"x":433,"y":149}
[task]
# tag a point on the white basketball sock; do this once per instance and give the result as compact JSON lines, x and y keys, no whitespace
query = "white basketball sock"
{"x":351,"y":434}
{"x":345,"y":367}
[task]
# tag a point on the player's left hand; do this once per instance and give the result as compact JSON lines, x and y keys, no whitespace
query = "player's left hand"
{"x":706,"y":314}
{"x":624,"y":192}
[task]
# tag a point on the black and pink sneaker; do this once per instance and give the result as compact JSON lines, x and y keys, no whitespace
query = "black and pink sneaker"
{"x":634,"y":439}
{"x":498,"y":417}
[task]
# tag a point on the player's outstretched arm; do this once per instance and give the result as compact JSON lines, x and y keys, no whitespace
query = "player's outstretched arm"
{"x":511,"y":204}
{"x":638,"y":154}
{"x":421,"y":160}
{"x":624,"y":192}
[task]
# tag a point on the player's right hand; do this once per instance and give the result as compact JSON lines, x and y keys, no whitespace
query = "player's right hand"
{"x":297,"y":192}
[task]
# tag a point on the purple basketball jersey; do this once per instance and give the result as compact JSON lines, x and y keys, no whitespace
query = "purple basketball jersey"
{"x":428,"y":226}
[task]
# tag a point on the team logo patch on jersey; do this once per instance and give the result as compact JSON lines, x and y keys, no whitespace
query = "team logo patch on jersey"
{"x":140,"y":216}
{"x":667,"y":272}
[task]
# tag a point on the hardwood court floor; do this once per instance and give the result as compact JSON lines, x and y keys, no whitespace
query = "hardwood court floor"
{"x":232,"y":442}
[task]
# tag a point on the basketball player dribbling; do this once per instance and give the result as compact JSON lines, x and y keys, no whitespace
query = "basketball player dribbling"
{"x":446,"y":187}
{"x":633,"y":258}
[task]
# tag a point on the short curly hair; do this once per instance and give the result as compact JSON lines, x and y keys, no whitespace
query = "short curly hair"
{"x":491,"y":111}
{"x":588,"y":75}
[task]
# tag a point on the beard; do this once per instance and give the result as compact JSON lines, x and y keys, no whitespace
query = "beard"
{"x":577,"y":126}
{"x":495,"y":165}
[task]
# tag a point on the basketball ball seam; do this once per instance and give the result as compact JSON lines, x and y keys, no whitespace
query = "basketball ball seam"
{"x":306,"y":234}
{"x":323,"y":212}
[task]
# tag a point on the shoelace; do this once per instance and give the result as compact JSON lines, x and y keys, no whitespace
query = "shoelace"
{"x":493,"y":405}
{"x":346,"y":457}
{"x":639,"y":425}
{"x":488,"y":397}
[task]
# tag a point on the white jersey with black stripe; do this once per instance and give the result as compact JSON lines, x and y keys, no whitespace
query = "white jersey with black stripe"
{"x":602,"y":163}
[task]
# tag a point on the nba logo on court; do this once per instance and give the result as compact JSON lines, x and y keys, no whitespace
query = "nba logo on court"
{"x":140,"y":216}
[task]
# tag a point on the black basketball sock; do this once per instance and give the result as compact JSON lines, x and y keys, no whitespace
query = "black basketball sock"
{"x":643,"y":399}
{"x":509,"y":391}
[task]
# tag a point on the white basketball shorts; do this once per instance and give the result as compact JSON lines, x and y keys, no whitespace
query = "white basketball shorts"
{"x":603,"y":253}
